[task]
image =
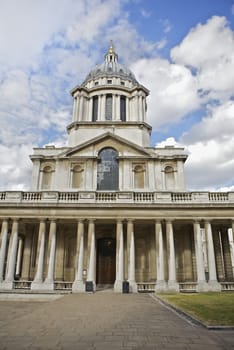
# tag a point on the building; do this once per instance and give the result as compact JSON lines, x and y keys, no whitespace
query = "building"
{"x":109,"y":208}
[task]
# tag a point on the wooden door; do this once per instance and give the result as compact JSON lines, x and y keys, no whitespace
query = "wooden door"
{"x":106,"y":251}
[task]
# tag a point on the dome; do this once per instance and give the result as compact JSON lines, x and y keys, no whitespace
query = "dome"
{"x":111,"y":68}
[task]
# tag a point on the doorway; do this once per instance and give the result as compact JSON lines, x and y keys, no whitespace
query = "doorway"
{"x":106,"y":260}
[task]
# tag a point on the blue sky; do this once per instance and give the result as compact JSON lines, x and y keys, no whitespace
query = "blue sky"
{"x":183,"y":51}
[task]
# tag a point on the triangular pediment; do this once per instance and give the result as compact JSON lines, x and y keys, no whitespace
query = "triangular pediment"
{"x":93,"y":146}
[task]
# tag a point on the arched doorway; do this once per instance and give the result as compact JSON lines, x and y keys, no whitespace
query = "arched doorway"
{"x":106,"y":260}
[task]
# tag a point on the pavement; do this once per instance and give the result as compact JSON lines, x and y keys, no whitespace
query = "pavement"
{"x":101,"y":321}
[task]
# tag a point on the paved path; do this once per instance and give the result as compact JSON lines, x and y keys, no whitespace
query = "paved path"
{"x":102,"y":321}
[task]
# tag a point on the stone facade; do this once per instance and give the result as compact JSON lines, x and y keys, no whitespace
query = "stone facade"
{"x":110,"y":208}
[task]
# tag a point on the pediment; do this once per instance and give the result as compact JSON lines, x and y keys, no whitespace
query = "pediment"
{"x":93,"y":146}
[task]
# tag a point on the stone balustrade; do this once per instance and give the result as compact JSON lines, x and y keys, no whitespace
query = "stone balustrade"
{"x":13,"y":197}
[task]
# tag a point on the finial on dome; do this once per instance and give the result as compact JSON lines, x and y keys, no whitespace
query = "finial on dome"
{"x":111,"y":55}
{"x":111,"y":48}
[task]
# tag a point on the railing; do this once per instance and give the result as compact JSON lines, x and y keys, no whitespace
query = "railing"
{"x":31,"y":196}
{"x":146,"y":287}
{"x":143,"y":196}
{"x":106,"y":196}
{"x":188,"y":287}
{"x":68,"y":196}
{"x":2,"y":196}
{"x":180,"y":198}
{"x":61,"y":285}
{"x":218,"y":196}
{"x":22,"y":285}
{"x":227,"y":286}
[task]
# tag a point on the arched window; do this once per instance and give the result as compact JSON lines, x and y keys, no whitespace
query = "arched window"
{"x":95,"y":109}
{"x":77,"y":176}
{"x":108,"y":111}
{"x":46,"y":177}
{"x":139,"y":176}
{"x":123,"y":108}
{"x":108,"y":170}
{"x":169,"y":178}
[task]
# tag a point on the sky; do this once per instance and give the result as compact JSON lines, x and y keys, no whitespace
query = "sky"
{"x":181,"y":50}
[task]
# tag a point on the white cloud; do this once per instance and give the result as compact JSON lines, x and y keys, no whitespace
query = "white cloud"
{"x":209,"y":49}
{"x":173,"y":90}
{"x":232,"y":9}
{"x":211,"y":147}
{"x":16,"y":167}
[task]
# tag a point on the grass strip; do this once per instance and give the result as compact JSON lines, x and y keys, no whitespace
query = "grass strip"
{"x":213,"y":309}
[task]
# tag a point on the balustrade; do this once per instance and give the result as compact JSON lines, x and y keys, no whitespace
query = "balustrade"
{"x":117,"y":196}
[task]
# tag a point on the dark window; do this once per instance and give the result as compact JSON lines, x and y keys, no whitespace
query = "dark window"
{"x":108,"y":170}
{"x":95,"y":109}
{"x":109,"y":81}
{"x":123,"y":108}
{"x":108,"y":114}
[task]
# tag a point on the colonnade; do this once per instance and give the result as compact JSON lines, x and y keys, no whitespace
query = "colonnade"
{"x":125,"y":255}
{"x":135,"y":107}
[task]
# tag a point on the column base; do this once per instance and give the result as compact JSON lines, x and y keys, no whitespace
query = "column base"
{"x":214,"y":286}
{"x":78,"y":287}
{"x":173,"y":287}
{"x":132,"y":287}
{"x":37,"y":285}
{"x":202,"y":286}
{"x":161,"y":287}
{"x":47,"y":285}
{"x":7,"y":285}
{"x":118,"y":286}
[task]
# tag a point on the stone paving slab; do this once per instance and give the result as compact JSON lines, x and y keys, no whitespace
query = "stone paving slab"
{"x":105,"y":321}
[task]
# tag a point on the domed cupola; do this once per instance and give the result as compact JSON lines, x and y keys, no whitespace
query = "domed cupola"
{"x":110,"y":69}
{"x":109,"y":100}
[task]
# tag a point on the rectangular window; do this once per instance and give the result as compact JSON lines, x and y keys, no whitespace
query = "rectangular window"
{"x":109,"y":81}
{"x":123,"y":108}
{"x":95,"y":109}
{"x":108,"y":112}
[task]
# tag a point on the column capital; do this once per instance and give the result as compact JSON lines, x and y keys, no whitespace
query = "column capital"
{"x":130,"y":220}
{"x":16,"y":219}
{"x":42,"y":219}
{"x":80,"y":220}
{"x":169,"y":220}
{"x":120,"y":221}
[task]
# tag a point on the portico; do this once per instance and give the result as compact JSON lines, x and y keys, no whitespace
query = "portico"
{"x":107,"y":247}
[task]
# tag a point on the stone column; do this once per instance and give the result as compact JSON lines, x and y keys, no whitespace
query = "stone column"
{"x":38,"y":280}
{"x":140,"y":108}
{"x":101,"y":107}
{"x":4,"y":233}
{"x":78,"y":285}
{"x":160,"y":284}
{"x":117,"y":107}
{"x":19,"y":257}
{"x":49,"y":281}
{"x":131,"y":257}
{"x":11,"y":258}
{"x":201,"y":278}
{"x":172,"y":283}
{"x":127,"y":109}
{"x":81,"y":108}
{"x":91,"y":254}
{"x":119,"y":257}
{"x":213,"y":283}
{"x":90,"y":109}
